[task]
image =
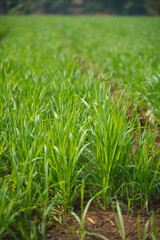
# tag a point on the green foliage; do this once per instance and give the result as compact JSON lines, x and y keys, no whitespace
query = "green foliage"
{"x":59,"y":126}
{"x":125,"y":48}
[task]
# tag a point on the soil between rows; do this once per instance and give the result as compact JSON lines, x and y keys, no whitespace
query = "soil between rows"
{"x":103,"y":222}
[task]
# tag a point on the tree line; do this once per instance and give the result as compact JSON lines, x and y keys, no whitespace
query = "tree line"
{"x":124,"y":7}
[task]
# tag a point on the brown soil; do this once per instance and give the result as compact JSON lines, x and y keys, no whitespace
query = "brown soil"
{"x":104,"y":223}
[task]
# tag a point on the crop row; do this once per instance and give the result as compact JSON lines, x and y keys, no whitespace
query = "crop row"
{"x":125,"y":49}
{"x":58,"y":126}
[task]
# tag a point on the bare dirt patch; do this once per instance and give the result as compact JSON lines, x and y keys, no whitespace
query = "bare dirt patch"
{"x":103,"y":222}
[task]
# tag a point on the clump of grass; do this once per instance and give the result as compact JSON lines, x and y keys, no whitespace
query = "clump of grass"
{"x":111,"y":140}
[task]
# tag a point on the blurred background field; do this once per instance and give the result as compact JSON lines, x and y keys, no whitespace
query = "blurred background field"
{"x":124,"y":7}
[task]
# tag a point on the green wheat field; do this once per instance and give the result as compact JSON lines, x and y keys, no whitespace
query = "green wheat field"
{"x":61,"y":124}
